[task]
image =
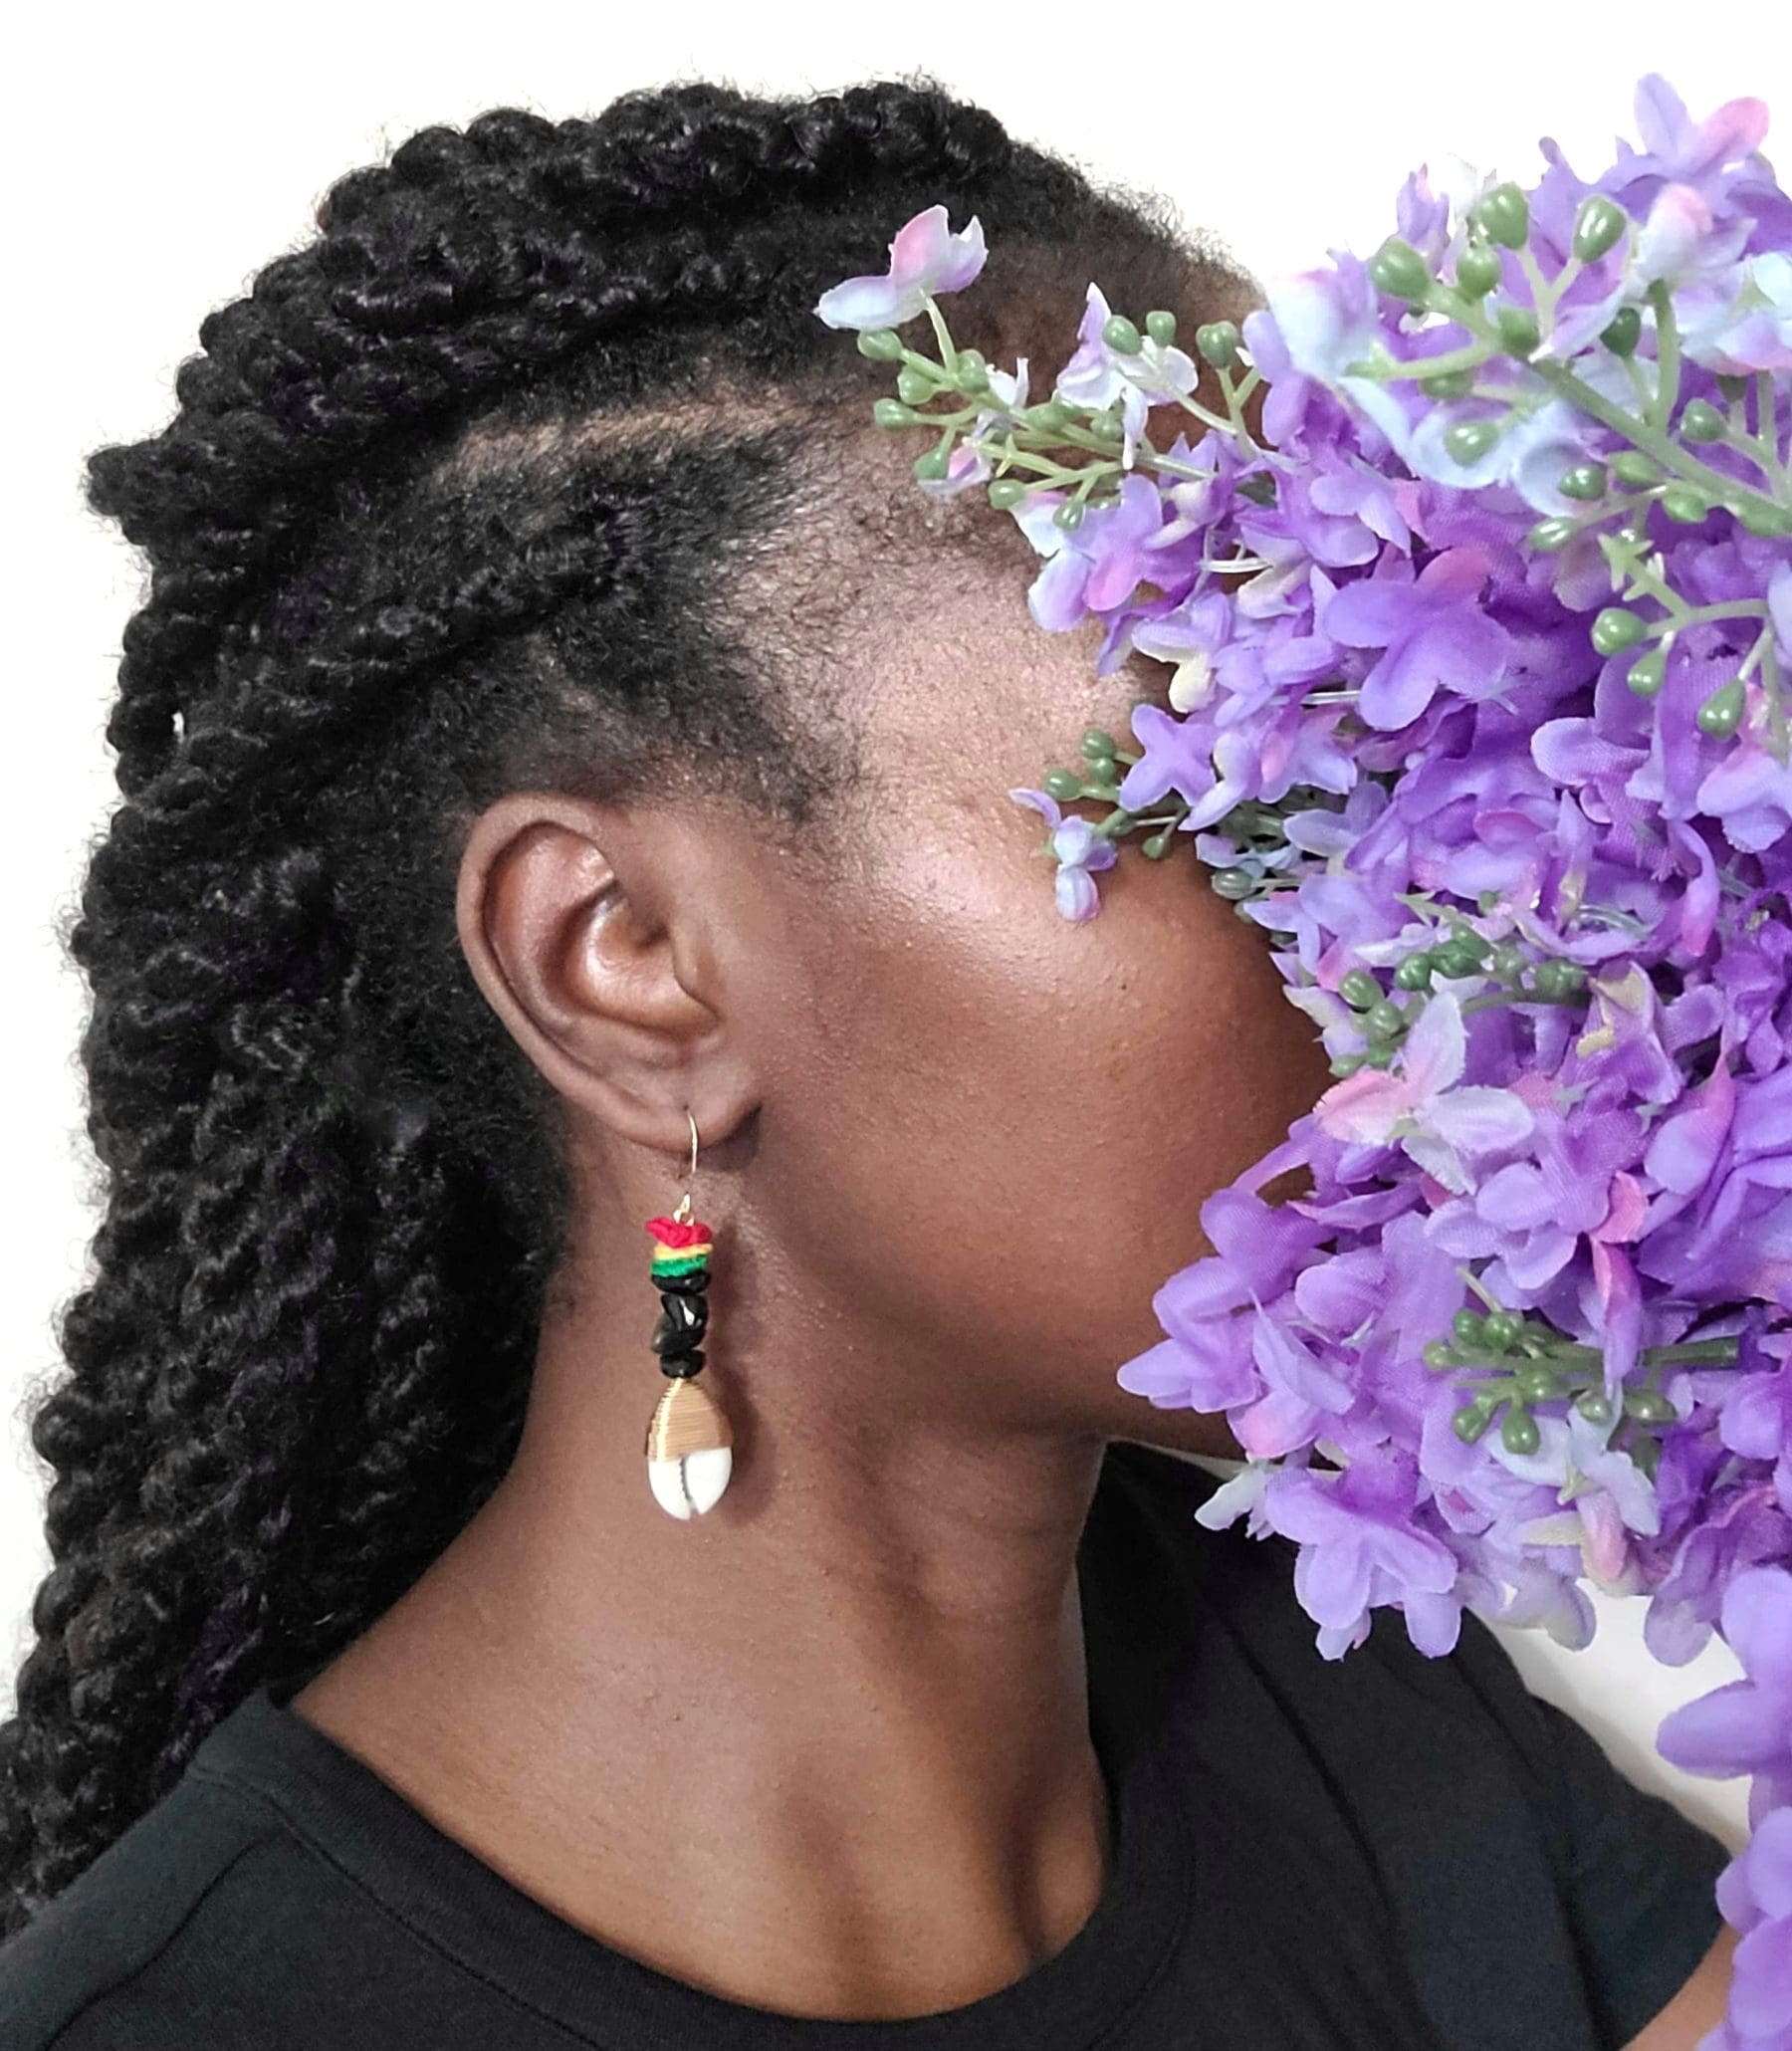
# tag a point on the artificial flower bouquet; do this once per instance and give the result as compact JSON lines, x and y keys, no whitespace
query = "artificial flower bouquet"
{"x":1481,"y":647}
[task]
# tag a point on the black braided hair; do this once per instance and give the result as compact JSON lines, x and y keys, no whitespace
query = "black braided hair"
{"x":474,"y":491}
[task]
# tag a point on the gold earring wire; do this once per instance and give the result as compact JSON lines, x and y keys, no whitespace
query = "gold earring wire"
{"x":683,"y":1210}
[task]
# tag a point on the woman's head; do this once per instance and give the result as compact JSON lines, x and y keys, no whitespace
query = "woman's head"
{"x":554,"y":704}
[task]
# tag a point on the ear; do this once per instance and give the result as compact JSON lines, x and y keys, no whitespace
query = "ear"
{"x":584,"y":925}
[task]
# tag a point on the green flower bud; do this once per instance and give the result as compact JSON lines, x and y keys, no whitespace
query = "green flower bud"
{"x":1467,"y":1328}
{"x":1557,"y":981}
{"x":1552,"y":533}
{"x":1519,"y":330}
{"x":1397,"y":267}
{"x":1107,"y":425}
{"x":1160,"y":326}
{"x":1615,"y":628}
{"x":1384,"y":1020}
{"x":1068,"y":515}
{"x":1772,"y":522}
{"x":1470,"y":1423}
{"x":1502,"y":1329}
{"x":1217,"y":343}
{"x":1631,"y":466}
{"x":1518,"y":1430}
{"x":1598,"y":223}
{"x":1063,"y":784}
{"x":1447,"y":384}
{"x":1121,"y":335}
{"x":1006,"y":491}
{"x":1722,"y":712}
{"x":1469,"y":440}
{"x":1359,"y":988}
{"x":1478,"y":270}
{"x":1699,"y":420}
{"x":1646,"y":674}
{"x":932,"y":466}
{"x":1347,"y":1064}
{"x":1649,"y":1406}
{"x":1097,"y":741}
{"x":1156,"y":846}
{"x":881,"y":344}
{"x":1585,"y":481}
{"x":1595,"y":1407}
{"x":1437,"y":1353}
{"x":1415,"y":973}
{"x":1508,"y":962}
{"x":913,"y":386}
{"x":892,"y":413}
{"x":1686,"y":504}
{"x":1235,"y":884}
{"x":1539,"y":1384}
{"x":1620,"y":333}
{"x":1505,"y":213}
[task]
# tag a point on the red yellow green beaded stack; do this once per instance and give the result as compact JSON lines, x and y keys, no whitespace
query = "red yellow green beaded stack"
{"x":684,"y":1247}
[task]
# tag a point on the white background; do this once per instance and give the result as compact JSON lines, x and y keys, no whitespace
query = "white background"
{"x":164,"y":154}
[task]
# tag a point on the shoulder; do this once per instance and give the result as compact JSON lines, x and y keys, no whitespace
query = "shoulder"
{"x":70,"y":1978}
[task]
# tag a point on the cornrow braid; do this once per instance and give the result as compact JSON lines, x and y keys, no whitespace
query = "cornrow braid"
{"x":479,"y":490}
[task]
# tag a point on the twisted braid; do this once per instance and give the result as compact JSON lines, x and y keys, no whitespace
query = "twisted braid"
{"x":407,"y":553}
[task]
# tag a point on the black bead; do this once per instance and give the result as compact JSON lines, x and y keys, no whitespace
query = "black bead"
{"x":682,"y":1364}
{"x":682,"y":1317}
{"x":692,"y":1283}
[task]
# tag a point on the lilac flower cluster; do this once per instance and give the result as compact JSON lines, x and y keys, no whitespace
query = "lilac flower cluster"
{"x":1482,"y":639}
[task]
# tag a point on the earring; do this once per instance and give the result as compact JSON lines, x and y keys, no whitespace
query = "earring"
{"x":690,"y":1446}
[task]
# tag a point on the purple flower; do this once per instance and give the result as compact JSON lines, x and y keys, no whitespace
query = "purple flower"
{"x":1079,"y":850}
{"x":1098,"y":374}
{"x":1745,"y":1726}
{"x":925,"y":259}
{"x":1754,"y":1892}
{"x":1097,"y":566}
{"x":1432,"y":632}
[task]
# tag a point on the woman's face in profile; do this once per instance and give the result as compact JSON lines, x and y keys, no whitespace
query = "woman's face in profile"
{"x":984,"y":1124}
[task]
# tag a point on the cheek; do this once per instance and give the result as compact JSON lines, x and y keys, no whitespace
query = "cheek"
{"x":996,"y":1126}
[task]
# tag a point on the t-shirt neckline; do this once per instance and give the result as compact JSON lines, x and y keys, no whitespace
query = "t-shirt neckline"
{"x":452,"y":1900}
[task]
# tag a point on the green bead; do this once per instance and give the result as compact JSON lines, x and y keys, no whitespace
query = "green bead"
{"x":1063,"y":784}
{"x":1217,"y":343}
{"x":1552,"y":533}
{"x":1595,"y":1407}
{"x":1006,"y":491}
{"x":1447,"y":384}
{"x":1518,"y":1430}
{"x":1097,"y":741}
{"x":1699,"y":420}
{"x":1160,"y":326}
{"x":1615,"y":629}
{"x":1359,"y":988}
{"x":1478,"y":270}
{"x":1519,"y":330}
{"x":1469,"y":440}
{"x":932,"y":466}
{"x":892,"y":413}
{"x":1415,"y":973}
{"x":1722,"y":712}
{"x":1623,"y":331}
{"x":1156,"y":846}
{"x":1121,"y":335}
{"x":1772,"y":522}
{"x":1467,"y":1328}
{"x":1645,"y":676}
{"x":1470,"y":1423}
{"x":1631,"y":466}
{"x":1585,"y":481}
{"x":1686,"y":504}
{"x":1502,"y":1329}
{"x":1598,"y":223}
{"x":1384,"y":1020}
{"x":1505,"y":213}
{"x":1397,"y":267}
{"x":881,"y":344}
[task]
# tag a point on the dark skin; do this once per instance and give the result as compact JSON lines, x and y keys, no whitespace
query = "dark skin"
{"x":826,"y":1750}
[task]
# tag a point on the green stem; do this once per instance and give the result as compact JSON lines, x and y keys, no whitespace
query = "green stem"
{"x":1668,"y":358}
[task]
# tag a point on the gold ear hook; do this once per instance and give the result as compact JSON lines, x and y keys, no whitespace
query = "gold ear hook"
{"x":683,"y":1211}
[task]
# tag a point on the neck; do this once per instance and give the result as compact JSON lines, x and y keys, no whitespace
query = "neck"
{"x":825,"y":1750}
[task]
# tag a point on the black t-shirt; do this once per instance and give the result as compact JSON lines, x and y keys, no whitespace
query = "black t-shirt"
{"x":1379,"y":1852}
